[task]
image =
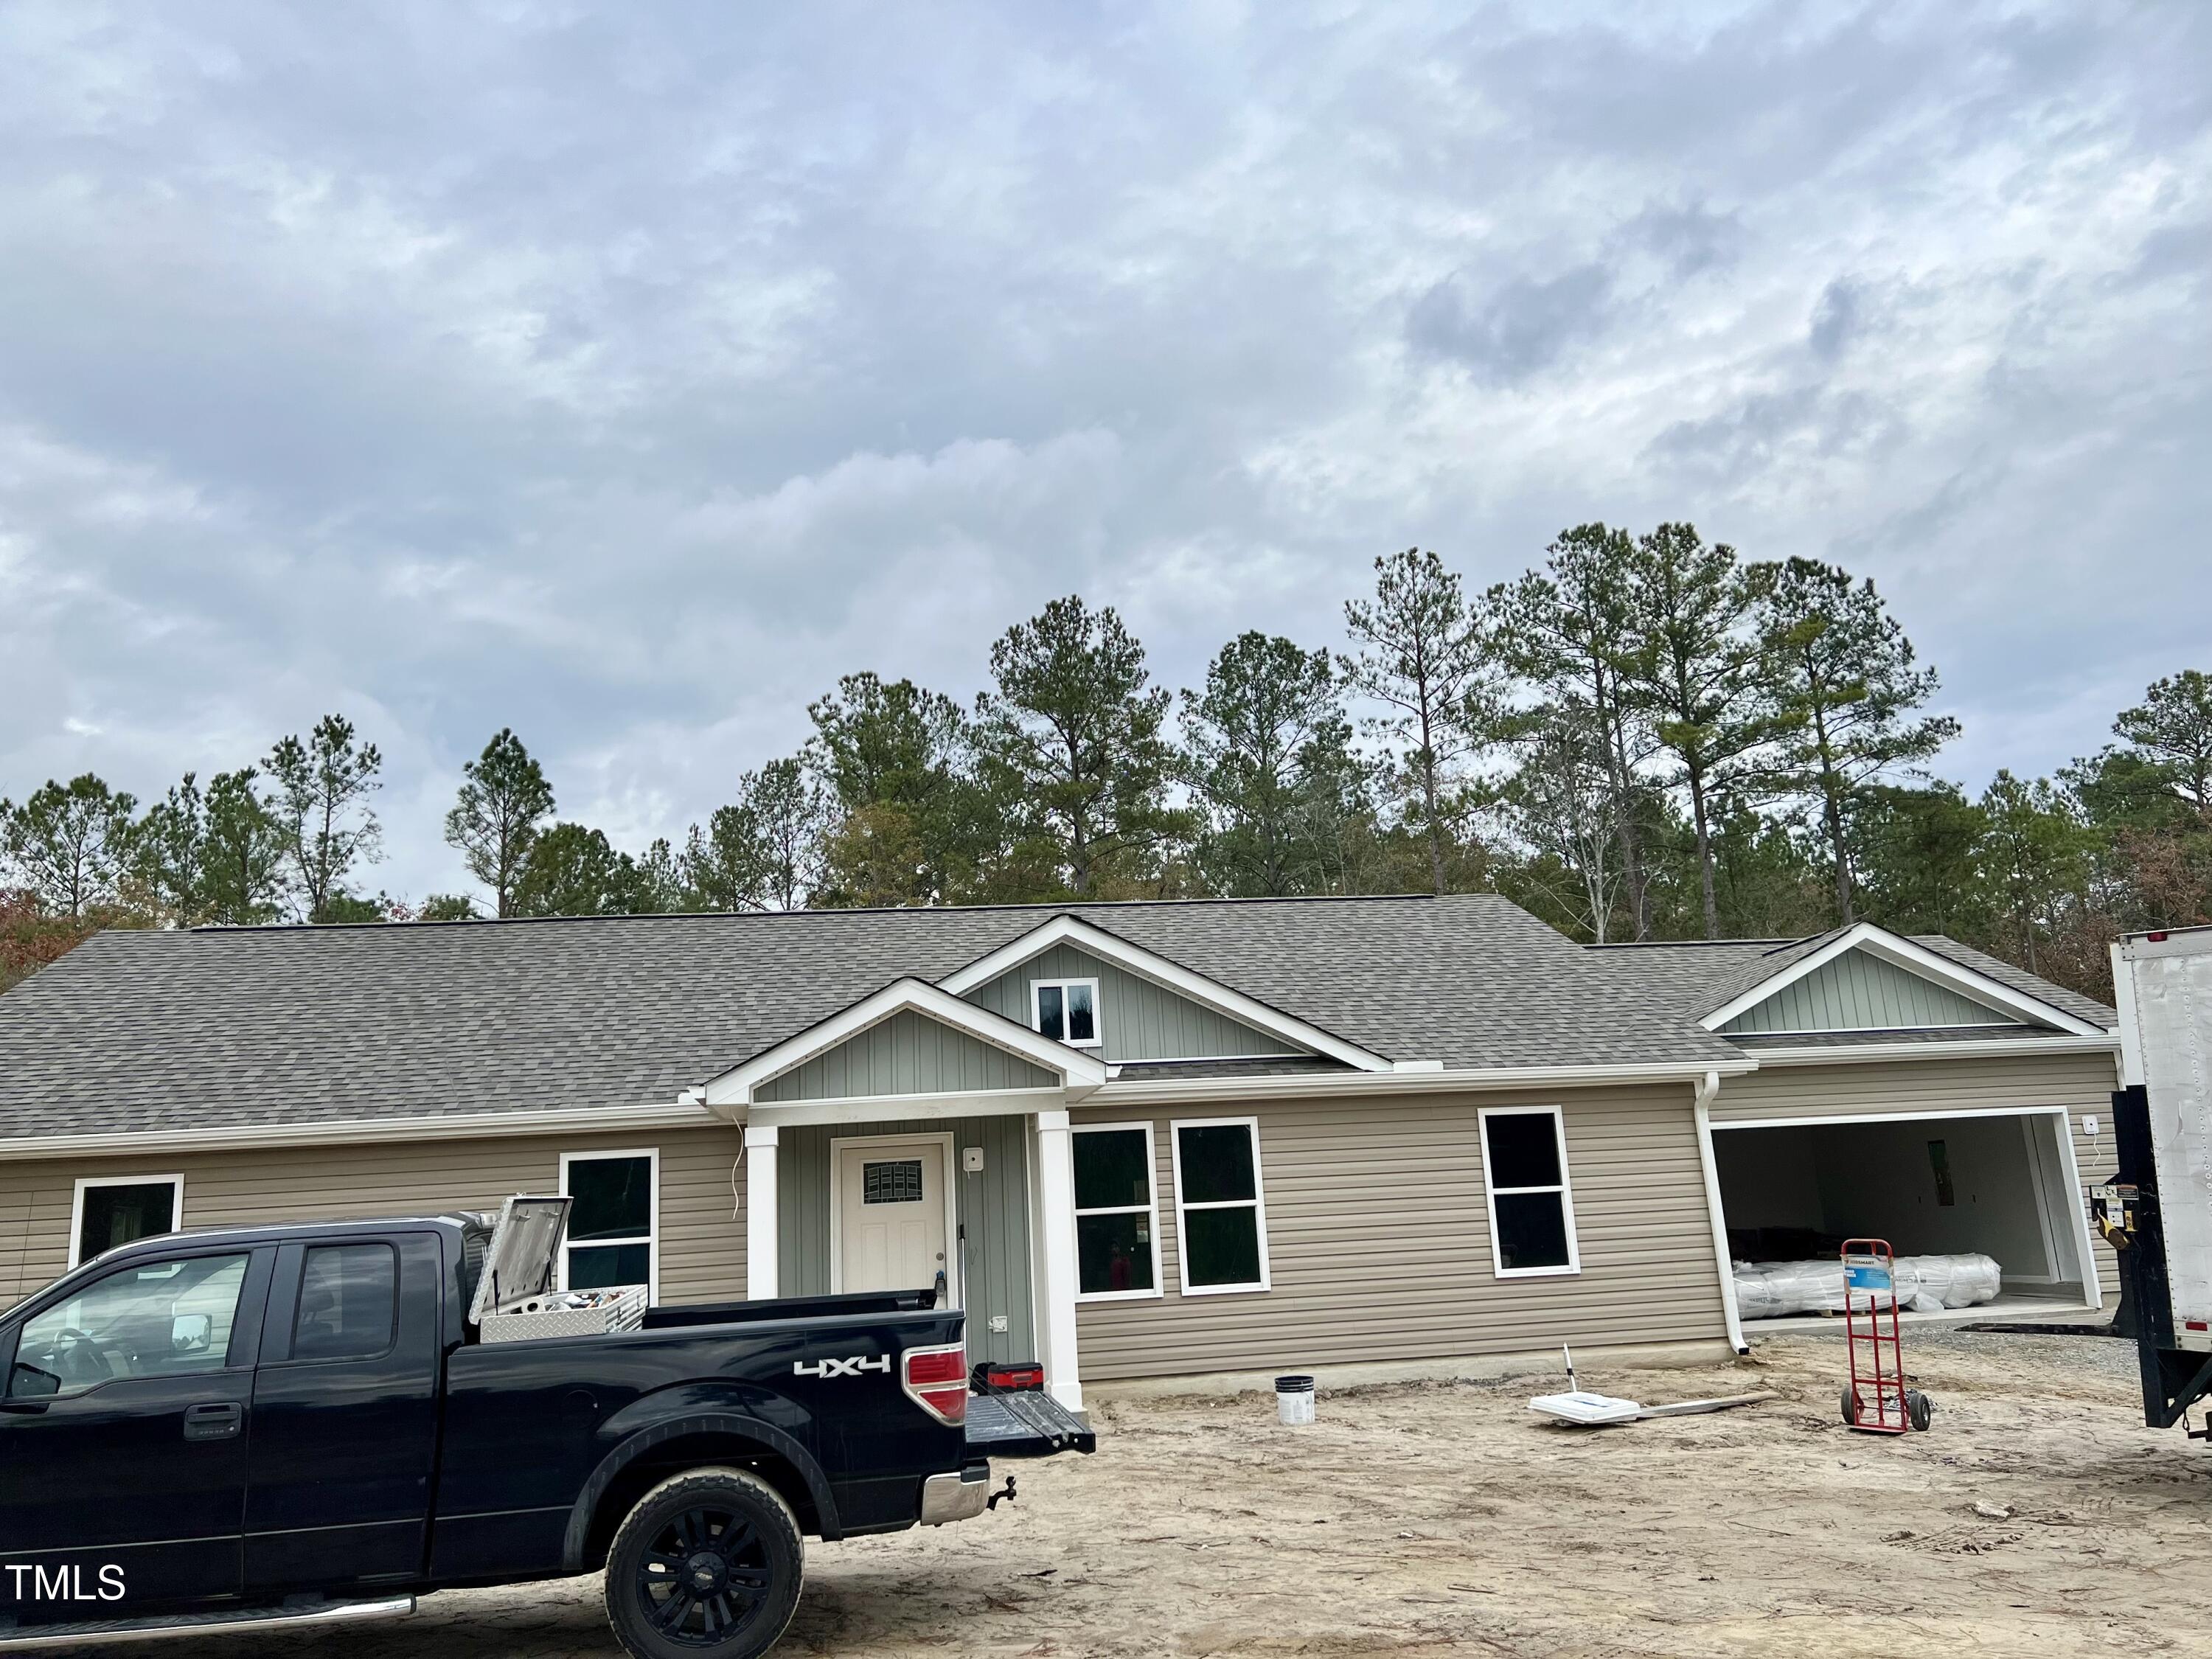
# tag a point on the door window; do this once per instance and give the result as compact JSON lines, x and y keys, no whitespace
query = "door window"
{"x":348,"y":1302}
{"x":155,"y":1319}
{"x":610,"y":1220}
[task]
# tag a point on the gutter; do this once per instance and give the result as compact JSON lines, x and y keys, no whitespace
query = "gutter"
{"x":1984,"y":1049}
{"x":453,"y":1126}
{"x":1702,"y":1102}
{"x":1305,"y":1085}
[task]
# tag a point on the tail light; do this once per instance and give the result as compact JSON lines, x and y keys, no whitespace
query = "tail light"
{"x":936,"y":1379}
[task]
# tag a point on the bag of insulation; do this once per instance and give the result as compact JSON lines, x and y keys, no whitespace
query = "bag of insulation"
{"x":1965,"y":1281}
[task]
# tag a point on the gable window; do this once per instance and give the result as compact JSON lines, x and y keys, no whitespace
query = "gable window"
{"x":1117,"y":1212}
{"x":1220,"y":1218}
{"x":612,"y":1221}
{"x":1524,"y":1181}
{"x":122,"y":1211}
{"x":1065,"y":1009}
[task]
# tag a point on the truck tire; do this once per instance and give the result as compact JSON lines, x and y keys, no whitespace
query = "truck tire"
{"x":709,"y":1561}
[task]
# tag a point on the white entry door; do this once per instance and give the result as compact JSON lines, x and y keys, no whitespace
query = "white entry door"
{"x":891,"y":1221}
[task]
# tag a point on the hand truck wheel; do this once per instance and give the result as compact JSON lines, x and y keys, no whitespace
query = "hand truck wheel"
{"x":1918,"y":1408}
{"x":1850,"y":1404}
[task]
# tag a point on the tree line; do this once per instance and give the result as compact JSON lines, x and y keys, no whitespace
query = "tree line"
{"x":1642,"y":736}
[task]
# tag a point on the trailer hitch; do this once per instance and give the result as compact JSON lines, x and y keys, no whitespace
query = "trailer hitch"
{"x":1007,"y":1495}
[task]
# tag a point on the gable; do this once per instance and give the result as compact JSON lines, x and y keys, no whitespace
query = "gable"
{"x":909,"y":1054}
{"x":1137,"y":1019}
{"x":1860,"y":992}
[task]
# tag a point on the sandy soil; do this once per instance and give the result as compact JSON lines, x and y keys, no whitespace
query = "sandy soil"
{"x":1445,"y":1518}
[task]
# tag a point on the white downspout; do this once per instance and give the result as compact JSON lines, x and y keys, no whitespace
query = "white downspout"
{"x":1702,"y":1102}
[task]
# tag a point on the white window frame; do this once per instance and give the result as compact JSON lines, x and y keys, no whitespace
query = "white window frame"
{"x":652,"y":1239}
{"x":1257,"y":1203}
{"x":1097,"y":1011}
{"x":1150,"y":1208}
{"x":1564,"y":1189}
{"x":77,"y":1204}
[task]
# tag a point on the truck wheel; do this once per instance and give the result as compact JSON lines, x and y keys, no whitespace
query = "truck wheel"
{"x":710,"y":1561}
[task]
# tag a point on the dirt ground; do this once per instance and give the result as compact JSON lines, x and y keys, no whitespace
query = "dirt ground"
{"x":1445,"y":1518}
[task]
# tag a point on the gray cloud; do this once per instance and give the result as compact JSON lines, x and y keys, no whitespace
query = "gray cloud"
{"x":625,"y":376}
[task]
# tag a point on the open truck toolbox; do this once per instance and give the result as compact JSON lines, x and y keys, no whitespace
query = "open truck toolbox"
{"x":426,"y":1407}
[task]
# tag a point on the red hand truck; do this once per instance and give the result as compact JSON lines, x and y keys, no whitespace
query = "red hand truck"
{"x":1876,"y":1399}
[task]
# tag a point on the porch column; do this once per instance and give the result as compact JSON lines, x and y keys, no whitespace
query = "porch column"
{"x":763,"y":1280}
{"x":1055,"y":1246}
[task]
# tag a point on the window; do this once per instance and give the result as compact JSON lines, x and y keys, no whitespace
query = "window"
{"x":1117,"y":1213}
{"x":348,"y":1302}
{"x":894,"y":1181}
{"x":1219,"y":1217}
{"x":1067,"y":1011}
{"x":112,"y":1212}
{"x":617,"y":1201}
{"x":156,"y":1319}
{"x":1524,"y":1177}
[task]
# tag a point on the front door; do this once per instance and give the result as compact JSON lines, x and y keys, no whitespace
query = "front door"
{"x":890,"y":1216}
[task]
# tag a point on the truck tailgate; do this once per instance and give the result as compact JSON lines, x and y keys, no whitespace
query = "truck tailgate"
{"x":1027,"y":1425}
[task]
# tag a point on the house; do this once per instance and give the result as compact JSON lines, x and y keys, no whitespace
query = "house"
{"x":1133,"y":1141}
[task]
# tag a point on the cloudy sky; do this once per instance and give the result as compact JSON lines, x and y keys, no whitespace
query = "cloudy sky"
{"x":626,"y":374}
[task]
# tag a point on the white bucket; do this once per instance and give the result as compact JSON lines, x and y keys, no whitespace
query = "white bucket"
{"x":1294,"y":1399}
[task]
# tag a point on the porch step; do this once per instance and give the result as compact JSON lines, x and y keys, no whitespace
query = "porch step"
{"x":19,"y":1639}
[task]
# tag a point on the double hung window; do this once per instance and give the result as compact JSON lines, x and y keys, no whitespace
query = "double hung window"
{"x":1221,"y":1220}
{"x":612,"y":1220}
{"x":1117,"y":1212}
{"x":1524,"y":1176}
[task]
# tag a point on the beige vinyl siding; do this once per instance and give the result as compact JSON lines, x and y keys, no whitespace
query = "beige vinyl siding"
{"x":1138,"y":1020}
{"x":1859,"y":992}
{"x":909,"y":1054}
{"x":2082,"y":1083}
{"x":702,"y":1248}
{"x":1379,"y":1248}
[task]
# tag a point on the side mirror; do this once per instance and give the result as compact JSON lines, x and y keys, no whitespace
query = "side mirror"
{"x":190,"y":1333}
{"x":28,"y":1382}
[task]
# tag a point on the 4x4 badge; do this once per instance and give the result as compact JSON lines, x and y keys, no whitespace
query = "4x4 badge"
{"x":849,"y":1367}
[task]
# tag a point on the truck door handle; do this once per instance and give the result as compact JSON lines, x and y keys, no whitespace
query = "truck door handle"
{"x":216,"y":1422}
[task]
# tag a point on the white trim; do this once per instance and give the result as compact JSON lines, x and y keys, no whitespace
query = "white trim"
{"x":1142,"y":1093}
{"x":1901,"y":952}
{"x":1079,"y":1070}
{"x":1257,"y":1204}
{"x":948,"y":1166}
{"x":763,"y":1200}
{"x":1807,"y":1121}
{"x":1147,"y":964}
{"x":1987,"y":1048}
{"x":1151,"y":1208}
{"x":77,"y":1204}
{"x":1054,"y":1250}
{"x":1063,"y":986}
{"x":2093,"y":1284}
{"x":457,"y":1126}
{"x":1490,"y":1191}
{"x":652,"y":1156}
{"x":1701,"y":1102}
{"x":880,"y":1109}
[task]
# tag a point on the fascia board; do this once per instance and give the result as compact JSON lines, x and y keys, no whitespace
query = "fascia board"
{"x":1901,"y":952}
{"x":1079,"y":1072}
{"x":1207,"y":992}
{"x":1177,"y":1090}
{"x":2009,"y":1048}
{"x":453,"y":1126}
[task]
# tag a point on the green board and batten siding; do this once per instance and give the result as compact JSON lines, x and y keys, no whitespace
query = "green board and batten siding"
{"x":1137,"y":1019}
{"x":908,"y":1054}
{"x":1857,"y":992}
{"x":993,"y":1208}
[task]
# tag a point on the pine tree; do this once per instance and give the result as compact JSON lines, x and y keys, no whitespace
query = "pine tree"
{"x":504,"y":799}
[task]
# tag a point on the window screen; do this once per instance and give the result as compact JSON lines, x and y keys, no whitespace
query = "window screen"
{"x":348,"y":1302}
{"x":1532,"y":1225}
{"x":1116,"y":1217}
{"x":118,"y":1213}
{"x":1217,"y":1209}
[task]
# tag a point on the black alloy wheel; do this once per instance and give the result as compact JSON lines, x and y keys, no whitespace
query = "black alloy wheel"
{"x":709,"y":1562}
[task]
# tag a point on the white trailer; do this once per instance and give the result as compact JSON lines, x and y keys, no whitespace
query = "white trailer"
{"x":2158,"y":1211}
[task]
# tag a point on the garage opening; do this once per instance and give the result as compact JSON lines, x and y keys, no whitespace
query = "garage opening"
{"x":1991,"y":1187}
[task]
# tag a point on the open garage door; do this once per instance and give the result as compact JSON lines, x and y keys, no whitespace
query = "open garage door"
{"x":1994,"y":1185}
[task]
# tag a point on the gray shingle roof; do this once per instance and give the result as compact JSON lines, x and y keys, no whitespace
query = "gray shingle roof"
{"x":184,"y":1030}
{"x":1689,"y":980}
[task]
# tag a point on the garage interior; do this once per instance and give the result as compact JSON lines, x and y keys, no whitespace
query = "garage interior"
{"x":1994,"y":1185}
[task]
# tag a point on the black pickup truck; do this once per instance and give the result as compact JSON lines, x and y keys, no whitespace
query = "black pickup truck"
{"x":304,"y":1425}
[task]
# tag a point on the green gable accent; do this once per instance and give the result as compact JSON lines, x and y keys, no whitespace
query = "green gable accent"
{"x":1137,"y":1019}
{"x":909,"y":1054}
{"x":1860,"y":992}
